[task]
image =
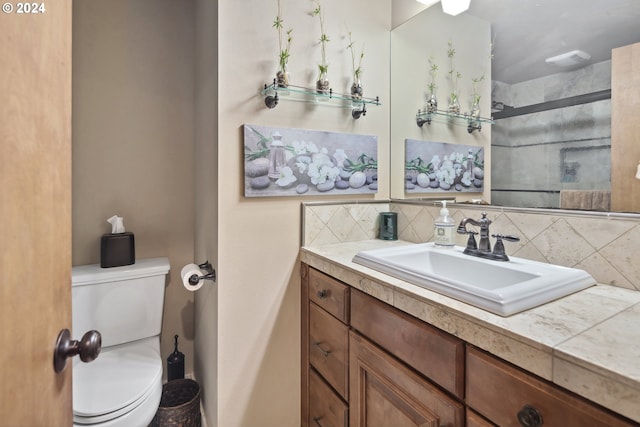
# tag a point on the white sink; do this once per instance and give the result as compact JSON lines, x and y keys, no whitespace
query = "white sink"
{"x":503,"y":288}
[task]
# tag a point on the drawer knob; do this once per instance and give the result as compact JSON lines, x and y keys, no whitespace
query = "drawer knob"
{"x":324,"y":352}
{"x":322,"y":294}
{"x":529,"y":416}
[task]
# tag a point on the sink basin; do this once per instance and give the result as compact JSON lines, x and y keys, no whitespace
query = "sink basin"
{"x":503,"y":288}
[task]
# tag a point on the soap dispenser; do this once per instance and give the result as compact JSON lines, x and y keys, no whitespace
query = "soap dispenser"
{"x":443,"y":234}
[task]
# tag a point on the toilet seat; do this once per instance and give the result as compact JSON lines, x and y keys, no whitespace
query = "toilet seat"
{"x":121,"y":380}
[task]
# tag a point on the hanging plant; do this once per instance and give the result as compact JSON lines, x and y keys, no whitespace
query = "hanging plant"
{"x":454,"y":76}
{"x":432,"y":100}
{"x":433,"y":70}
{"x":475,"y":91}
{"x":356,"y":87}
{"x":323,"y":67}
{"x":284,"y":44}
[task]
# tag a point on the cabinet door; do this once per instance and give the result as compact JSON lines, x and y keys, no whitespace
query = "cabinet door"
{"x":432,"y":352}
{"x":384,"y":392}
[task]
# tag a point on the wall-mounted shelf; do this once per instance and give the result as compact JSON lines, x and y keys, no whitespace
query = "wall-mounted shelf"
{"x":473,"y":123}
{"x":274,"y":94}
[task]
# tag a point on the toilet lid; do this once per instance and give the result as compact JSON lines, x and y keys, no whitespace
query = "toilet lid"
{"x":117,"y":380}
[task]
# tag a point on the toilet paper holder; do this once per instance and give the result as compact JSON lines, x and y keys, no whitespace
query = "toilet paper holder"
{"x":194,"y":279}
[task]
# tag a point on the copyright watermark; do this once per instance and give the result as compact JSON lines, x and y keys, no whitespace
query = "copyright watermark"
{"x":33,"y":8}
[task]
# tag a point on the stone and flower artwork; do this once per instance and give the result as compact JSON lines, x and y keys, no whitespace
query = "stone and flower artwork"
{"x":294,"y":162}
{"x":432,"y":167}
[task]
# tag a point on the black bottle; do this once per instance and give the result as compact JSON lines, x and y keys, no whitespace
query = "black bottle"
{"x":175,"y":363}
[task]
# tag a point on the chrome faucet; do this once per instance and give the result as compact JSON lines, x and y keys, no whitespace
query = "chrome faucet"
{"x":483,"y":249}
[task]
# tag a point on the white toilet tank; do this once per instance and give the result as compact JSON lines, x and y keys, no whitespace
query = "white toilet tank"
{"x":123,"y":303}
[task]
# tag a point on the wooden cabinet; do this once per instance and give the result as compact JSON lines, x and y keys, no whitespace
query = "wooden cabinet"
{"x":432,"y":352}
{"x":325,"y":350}
{"x":508,"y":396}
{"x":385,"y":392}
{"x":367,"y":364}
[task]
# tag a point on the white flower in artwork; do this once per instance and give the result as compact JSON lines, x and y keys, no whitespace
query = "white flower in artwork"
{"x":435,"y":162}
{"x":446,"y":163}
{"x":322,"y":169}
{"x":340,"y":156}
{"x":299,"y":147}
{"x":286,"y":177}
{"x":446,"y":173}
{"x":466,"y":179}
{"x":303,"y":147}
{"x":457,"y":157}
{"x":302,"y":167}
{"x":312,"y":148}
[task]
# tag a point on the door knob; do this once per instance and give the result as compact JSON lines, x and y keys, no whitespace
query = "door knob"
{"x":88,"y":348}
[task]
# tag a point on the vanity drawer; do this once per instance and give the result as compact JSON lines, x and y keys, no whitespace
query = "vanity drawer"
{"x":434,"y":353}
{"x":500,"y":391}
{"x":329,"y":348}
{"x":475,"y":420}
{"x":329,"y":294}
{"x":325,"y":407}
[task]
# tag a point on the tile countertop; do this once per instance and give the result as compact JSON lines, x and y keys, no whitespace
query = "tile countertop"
{"x":587,"y":342}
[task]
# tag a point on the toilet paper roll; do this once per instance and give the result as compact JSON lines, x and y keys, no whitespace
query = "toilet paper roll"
{"x":188,"y":271}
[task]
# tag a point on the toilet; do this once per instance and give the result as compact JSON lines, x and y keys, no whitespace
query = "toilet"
{"x":123,"y":386}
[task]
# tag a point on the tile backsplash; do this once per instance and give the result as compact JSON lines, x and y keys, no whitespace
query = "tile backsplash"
{"x":605,"y":245}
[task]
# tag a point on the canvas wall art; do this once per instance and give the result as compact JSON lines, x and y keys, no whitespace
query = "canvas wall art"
{"x":435,"y":167}
{"x":299,"y":162}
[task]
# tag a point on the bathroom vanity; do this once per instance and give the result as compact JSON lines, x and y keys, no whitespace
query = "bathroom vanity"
{"x":378,"y":351}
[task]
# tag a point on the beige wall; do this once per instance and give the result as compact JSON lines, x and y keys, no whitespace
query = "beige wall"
{"x":258,"y":239}
{"x":413,"y":43}
{"x":206,"y":225}
{"x":133,"y":115}
{"x":404,"y":10}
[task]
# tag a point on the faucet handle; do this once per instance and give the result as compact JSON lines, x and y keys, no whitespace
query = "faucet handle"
{"x":498,"y":249}
{"x":471,"y":241}
{"x":508,"y":237}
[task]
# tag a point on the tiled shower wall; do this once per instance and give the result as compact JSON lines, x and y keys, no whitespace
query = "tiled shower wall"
{"x":605,"y":245}
{"x":561,"y":149}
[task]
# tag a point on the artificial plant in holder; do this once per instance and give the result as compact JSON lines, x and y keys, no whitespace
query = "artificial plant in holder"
{"x":284,"y":44}
{"x":475,"y":95}
{"x":432,"y":100}
{"x":356,"y":87}
{"x":454,"y":76}
{"x":322,"y":85}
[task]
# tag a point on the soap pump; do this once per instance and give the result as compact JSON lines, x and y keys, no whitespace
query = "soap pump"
{"x":443,"y":234}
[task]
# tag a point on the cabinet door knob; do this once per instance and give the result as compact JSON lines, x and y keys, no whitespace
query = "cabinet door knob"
{"x":317,"y":421}
{"x":529,"y":416}
{"x":322,"y":294}
{"x":324,"y":352}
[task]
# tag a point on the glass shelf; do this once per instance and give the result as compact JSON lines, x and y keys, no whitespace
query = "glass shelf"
{"x":473,"y":123}
{"x":274,"y":93}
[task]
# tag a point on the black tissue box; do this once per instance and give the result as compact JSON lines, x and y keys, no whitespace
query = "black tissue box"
{"x":117,"y":250}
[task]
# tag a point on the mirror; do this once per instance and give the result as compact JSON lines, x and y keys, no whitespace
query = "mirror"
{"x":552,"y":130}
